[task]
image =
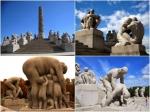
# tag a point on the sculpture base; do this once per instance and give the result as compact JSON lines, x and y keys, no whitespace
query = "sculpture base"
{"x":87,"y":94}
{"x":134,"y":49}
{"x":93,"y":38}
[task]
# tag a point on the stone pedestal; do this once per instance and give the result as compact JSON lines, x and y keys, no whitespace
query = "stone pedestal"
{"x":12,"y":48}
{"x":93,"y":38}
{"x":10,"y":102}
{"x":87,"y":94}
{"x":134,"y":49}
{"x":68,"y":47}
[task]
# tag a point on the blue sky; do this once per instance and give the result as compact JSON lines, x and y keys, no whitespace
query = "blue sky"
{"x":113,"y":13}
{"x":19,"y":17}
{"x":138,"y":67}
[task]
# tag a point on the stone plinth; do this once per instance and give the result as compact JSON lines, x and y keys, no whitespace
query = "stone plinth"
{"x":12,"y":48}
{"x":134,"y":49}
{"x":87,"y":94}
{"x":11,"y":102}
{"x":93,"y":38}
{"x":68,"y":47}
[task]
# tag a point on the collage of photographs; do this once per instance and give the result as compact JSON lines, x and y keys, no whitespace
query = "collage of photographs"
{"x":75,"y":55}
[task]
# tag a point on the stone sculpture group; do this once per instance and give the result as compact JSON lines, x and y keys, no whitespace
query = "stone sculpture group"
{"x":139,"y":92}
{"x":13,"y":88}
{"x":46,"y":76}
{"x":47,"y":85}
{"x":131,"y":32}
{"x":112,"y":91}
{"x":128,"y":37}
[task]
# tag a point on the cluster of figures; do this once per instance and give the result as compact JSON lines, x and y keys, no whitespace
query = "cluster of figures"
{"x":139,"y":92}
{"x":131,"y":31}
{"x":85,"y":77}
{"x":47,"y":88}
{"x":58,"y":40}
{"x":46,"y":76}
{"x":113,"y":91}
{"x":15,"y":39}
{"x":13,"y":89}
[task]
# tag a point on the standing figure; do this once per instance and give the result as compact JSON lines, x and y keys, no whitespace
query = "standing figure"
{"x":43,"y":81}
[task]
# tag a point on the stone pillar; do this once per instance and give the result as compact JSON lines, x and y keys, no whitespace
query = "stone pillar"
{"x":93,"y":38}
{"x":41,"y":30}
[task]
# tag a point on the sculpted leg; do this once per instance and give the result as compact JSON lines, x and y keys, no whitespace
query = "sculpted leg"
{"x":34,"y":93}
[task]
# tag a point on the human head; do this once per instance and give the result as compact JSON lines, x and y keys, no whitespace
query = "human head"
{"x":124,"y":70}
{"x":86,"y":69}
{"x":77,"y":67}
{"x":134,"y":19}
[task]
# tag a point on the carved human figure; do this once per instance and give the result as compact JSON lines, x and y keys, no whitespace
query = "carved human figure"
{"x":65,"y":38}
{"x":88,"y":76}
{"x":14,"y":39}
{"x":13,"y":85}
{"x":142,"y":90}
{"x":131,"y":32}
{"x":120,"y":92}
{"x":137,"y":92}
{"x":137,"y":30}
{"x":42,"y":81}
{"x":114,"y":74}
{"x":39,"y":66}
{"x":78,"y":79}
{"x":90,"y":20}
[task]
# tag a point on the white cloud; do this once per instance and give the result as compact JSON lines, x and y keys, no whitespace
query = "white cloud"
{"x":145,"y":71}
{"x":12,"y":66}
{"x":79,"y":14}
{"x":145,"y":42}
{"x":141,"y":6}
{"x":131,"y":76}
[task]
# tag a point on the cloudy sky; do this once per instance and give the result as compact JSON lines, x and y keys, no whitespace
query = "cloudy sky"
{"x":138,"y":68}
{"x":113,"y":13}
{"x":12,"y":66}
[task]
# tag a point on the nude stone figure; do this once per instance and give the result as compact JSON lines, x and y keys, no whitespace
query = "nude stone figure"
{"x":88,"y":76}
{"x":131,"y":32}
{"x":137,"y":92}
{"x":13,"y":85}
{"x":78,"y":79}
{"x":43,"y":81}
{"x":114,"y":74}
{"x":120,"y":92}
{"x":90,"y":20}
{"x":142,"y":90}
{"x":39,"y":66}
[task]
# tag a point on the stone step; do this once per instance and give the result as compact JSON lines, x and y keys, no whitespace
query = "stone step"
{"x":37,"y":46}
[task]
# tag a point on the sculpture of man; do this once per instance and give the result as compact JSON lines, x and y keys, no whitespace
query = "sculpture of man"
{"x":116,"y":73}
{"x":90,"y":20}
{"x":120,"y":92}
{"x":137,"y":92}
{"x":77,"y":74}
{"x":88,"y":76}
{"x":142,"y":90}
{"x":131,"y":32}
{"x":137,"y":30}
{"x":13,"y":84}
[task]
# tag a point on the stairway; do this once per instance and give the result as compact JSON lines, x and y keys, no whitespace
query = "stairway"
{"x":39,"y":46}
{"x":82,"y":49}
